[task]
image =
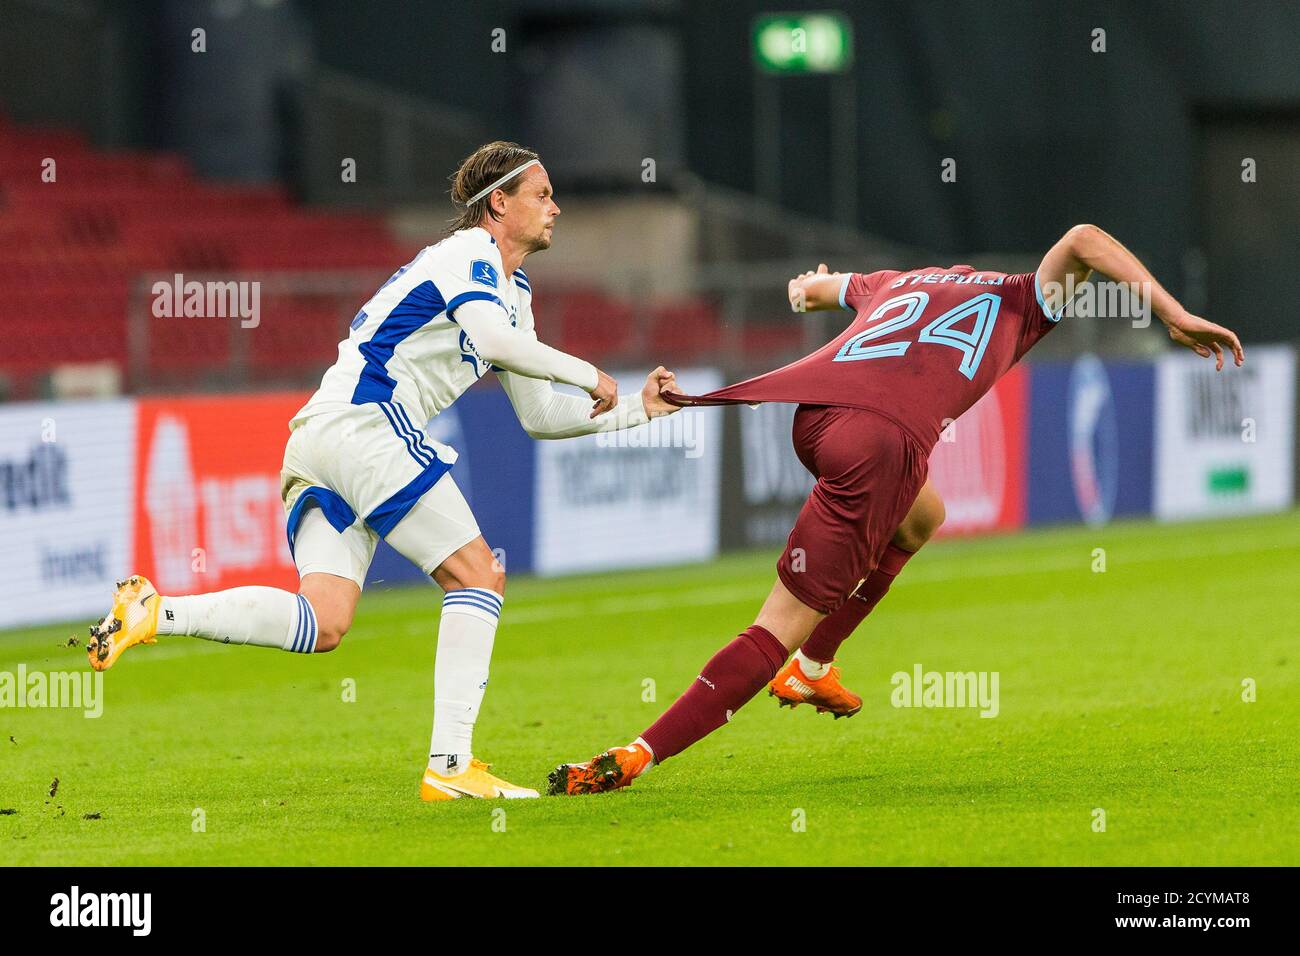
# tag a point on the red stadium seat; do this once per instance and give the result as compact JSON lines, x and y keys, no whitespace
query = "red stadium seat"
{"x":683,"y":332}
{"x":76,"y":256}
{"x":72,"y":250}
{"x":587,"y":323}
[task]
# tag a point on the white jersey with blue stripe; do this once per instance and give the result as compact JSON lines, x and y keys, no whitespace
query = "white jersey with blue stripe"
{"x":405,"y":347}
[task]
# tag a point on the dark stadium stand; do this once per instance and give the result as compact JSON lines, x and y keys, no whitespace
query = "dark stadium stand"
{"x":73,"y":252}
{"x":71,"y":249}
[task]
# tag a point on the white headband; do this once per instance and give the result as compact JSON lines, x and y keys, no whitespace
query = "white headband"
{"x":504,"y":179}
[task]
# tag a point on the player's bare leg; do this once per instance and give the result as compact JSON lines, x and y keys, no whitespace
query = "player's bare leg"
{"x":810,"y":675}
{"x":475,"y":584}
{"x":731,"y":678}
{"x":333,"y":600}
{"x":787,"y":618}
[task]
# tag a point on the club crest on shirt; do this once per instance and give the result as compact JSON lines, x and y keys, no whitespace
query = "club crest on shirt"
{"x":483,"y":272}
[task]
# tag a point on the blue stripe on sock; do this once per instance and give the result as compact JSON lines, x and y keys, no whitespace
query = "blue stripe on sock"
{"x":470,"y":602}
{"x":297,"y":637}
{"x":311,"y":620}
{"x":482,"y":593}
{"x":474,"y":601}
{"x":306,"y":624}
{"x":474,"y":594}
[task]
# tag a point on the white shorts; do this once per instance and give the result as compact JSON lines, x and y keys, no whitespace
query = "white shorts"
{"x":366,"y":472}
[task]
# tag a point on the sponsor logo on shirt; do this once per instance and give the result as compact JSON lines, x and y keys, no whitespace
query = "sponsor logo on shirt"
{"x":483,"y":272}
{"x":469,"y":354}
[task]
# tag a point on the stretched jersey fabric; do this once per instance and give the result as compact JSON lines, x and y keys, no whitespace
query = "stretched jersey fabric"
{"x":922,"y":348}
{"x":405,"y":346}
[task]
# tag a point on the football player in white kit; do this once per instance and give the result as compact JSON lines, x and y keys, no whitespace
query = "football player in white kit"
{"x":359,"y":466}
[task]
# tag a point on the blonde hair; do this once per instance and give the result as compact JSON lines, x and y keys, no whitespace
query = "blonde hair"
{"x":480,"y":169}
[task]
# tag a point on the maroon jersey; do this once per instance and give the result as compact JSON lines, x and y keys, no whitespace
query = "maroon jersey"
{"x":923,"y":347}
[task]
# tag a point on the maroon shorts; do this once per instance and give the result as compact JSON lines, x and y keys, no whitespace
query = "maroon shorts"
{"x":869,"y":471}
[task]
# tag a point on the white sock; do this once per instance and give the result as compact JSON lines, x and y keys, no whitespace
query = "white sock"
{"x":460,"y":674}
{"x":267,"y":617}
{"x":639,"y":742}
{"x":813,"y":670}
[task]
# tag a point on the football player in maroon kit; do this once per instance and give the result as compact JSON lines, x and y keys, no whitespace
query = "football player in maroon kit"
{"x":924,"y":346}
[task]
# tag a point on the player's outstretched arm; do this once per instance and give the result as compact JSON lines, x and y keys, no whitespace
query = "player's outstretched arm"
{"x":815,"y":291}
{"x":501,"y":344}
{"x":545,"y":413}
{"x":1086,"y":247}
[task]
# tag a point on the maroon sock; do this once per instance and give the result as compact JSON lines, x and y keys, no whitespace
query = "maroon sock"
{"x":837,"y":626}
{"x":730,"y":678}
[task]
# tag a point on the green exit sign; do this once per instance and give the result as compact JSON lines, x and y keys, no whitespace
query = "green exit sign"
{"x":803,"y":43}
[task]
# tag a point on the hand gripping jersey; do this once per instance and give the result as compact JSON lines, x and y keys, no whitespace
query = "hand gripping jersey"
{"x":923,"y":347}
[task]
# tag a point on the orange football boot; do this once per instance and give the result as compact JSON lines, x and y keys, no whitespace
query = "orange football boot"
{"x":612,"y":770}
{"x":474,"y":781}
{"x":133,"y":620}
{"x":791,"y":687}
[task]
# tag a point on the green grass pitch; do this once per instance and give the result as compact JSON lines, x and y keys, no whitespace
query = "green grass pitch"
{"x":1120,"y":690}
